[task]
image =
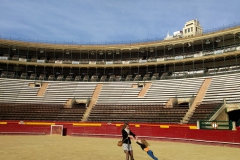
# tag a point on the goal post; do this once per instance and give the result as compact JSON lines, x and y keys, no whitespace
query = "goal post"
{"x":56,"y":130}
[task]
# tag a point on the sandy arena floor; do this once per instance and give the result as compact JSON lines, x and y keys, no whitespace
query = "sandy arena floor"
{"x":83,"y":148}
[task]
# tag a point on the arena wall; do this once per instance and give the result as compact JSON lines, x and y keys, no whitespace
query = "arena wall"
{"x":166,"y":132}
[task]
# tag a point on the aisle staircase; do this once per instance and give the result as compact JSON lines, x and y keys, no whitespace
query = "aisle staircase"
{"x":92,"y":102}
{"x":200,"y":95}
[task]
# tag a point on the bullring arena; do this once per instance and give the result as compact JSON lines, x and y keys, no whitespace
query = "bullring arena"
{"x":75,"y":148}
{"x":69,"y":101}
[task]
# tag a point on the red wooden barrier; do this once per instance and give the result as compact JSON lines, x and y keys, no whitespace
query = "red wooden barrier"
{"x":150,"y":131}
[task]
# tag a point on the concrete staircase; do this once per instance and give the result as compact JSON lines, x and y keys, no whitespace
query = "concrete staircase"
{"x":201,"y":93}
{"x":170,"y":102}
{"x":92,"y":102}
{"x":144,"y":90}
{"x":43,"y":89}
{"x":68,"y":104}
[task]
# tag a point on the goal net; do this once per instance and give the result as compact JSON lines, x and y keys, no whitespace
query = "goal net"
{"x":56,"y":130}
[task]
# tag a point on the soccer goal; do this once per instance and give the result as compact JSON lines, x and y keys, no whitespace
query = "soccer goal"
{"x":56,"y":130}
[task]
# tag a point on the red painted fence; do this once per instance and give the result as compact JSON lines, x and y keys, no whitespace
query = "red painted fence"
{"x":172,"y":132}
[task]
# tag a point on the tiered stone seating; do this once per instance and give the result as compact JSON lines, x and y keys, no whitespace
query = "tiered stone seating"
{"x":16,"y":111}
{"x":60,"y":92}
{"x":161,"y":91}
{"x":223,"y":86}
{"x":204,"y":111}
{"x":70,"y":114}
{"x":153,"y":113}
{"x":18,"y":91}
{"x":119,"y":92}
{"x":42,"y":112}
{"x":124,"y":93}
{"x":57,"y":92}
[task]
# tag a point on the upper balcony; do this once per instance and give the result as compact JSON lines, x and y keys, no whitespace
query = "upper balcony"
{"x":215,"y":44}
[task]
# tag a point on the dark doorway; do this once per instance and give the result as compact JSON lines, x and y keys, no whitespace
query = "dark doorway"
{"x":234,"y":115}
{"x":183,"y":105}
{"x":64,"y":132}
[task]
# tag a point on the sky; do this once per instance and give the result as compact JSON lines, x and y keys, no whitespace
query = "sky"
{"x":109,"y":21}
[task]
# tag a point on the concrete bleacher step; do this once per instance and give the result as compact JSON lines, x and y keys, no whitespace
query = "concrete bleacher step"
{"x":222,"y":86}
